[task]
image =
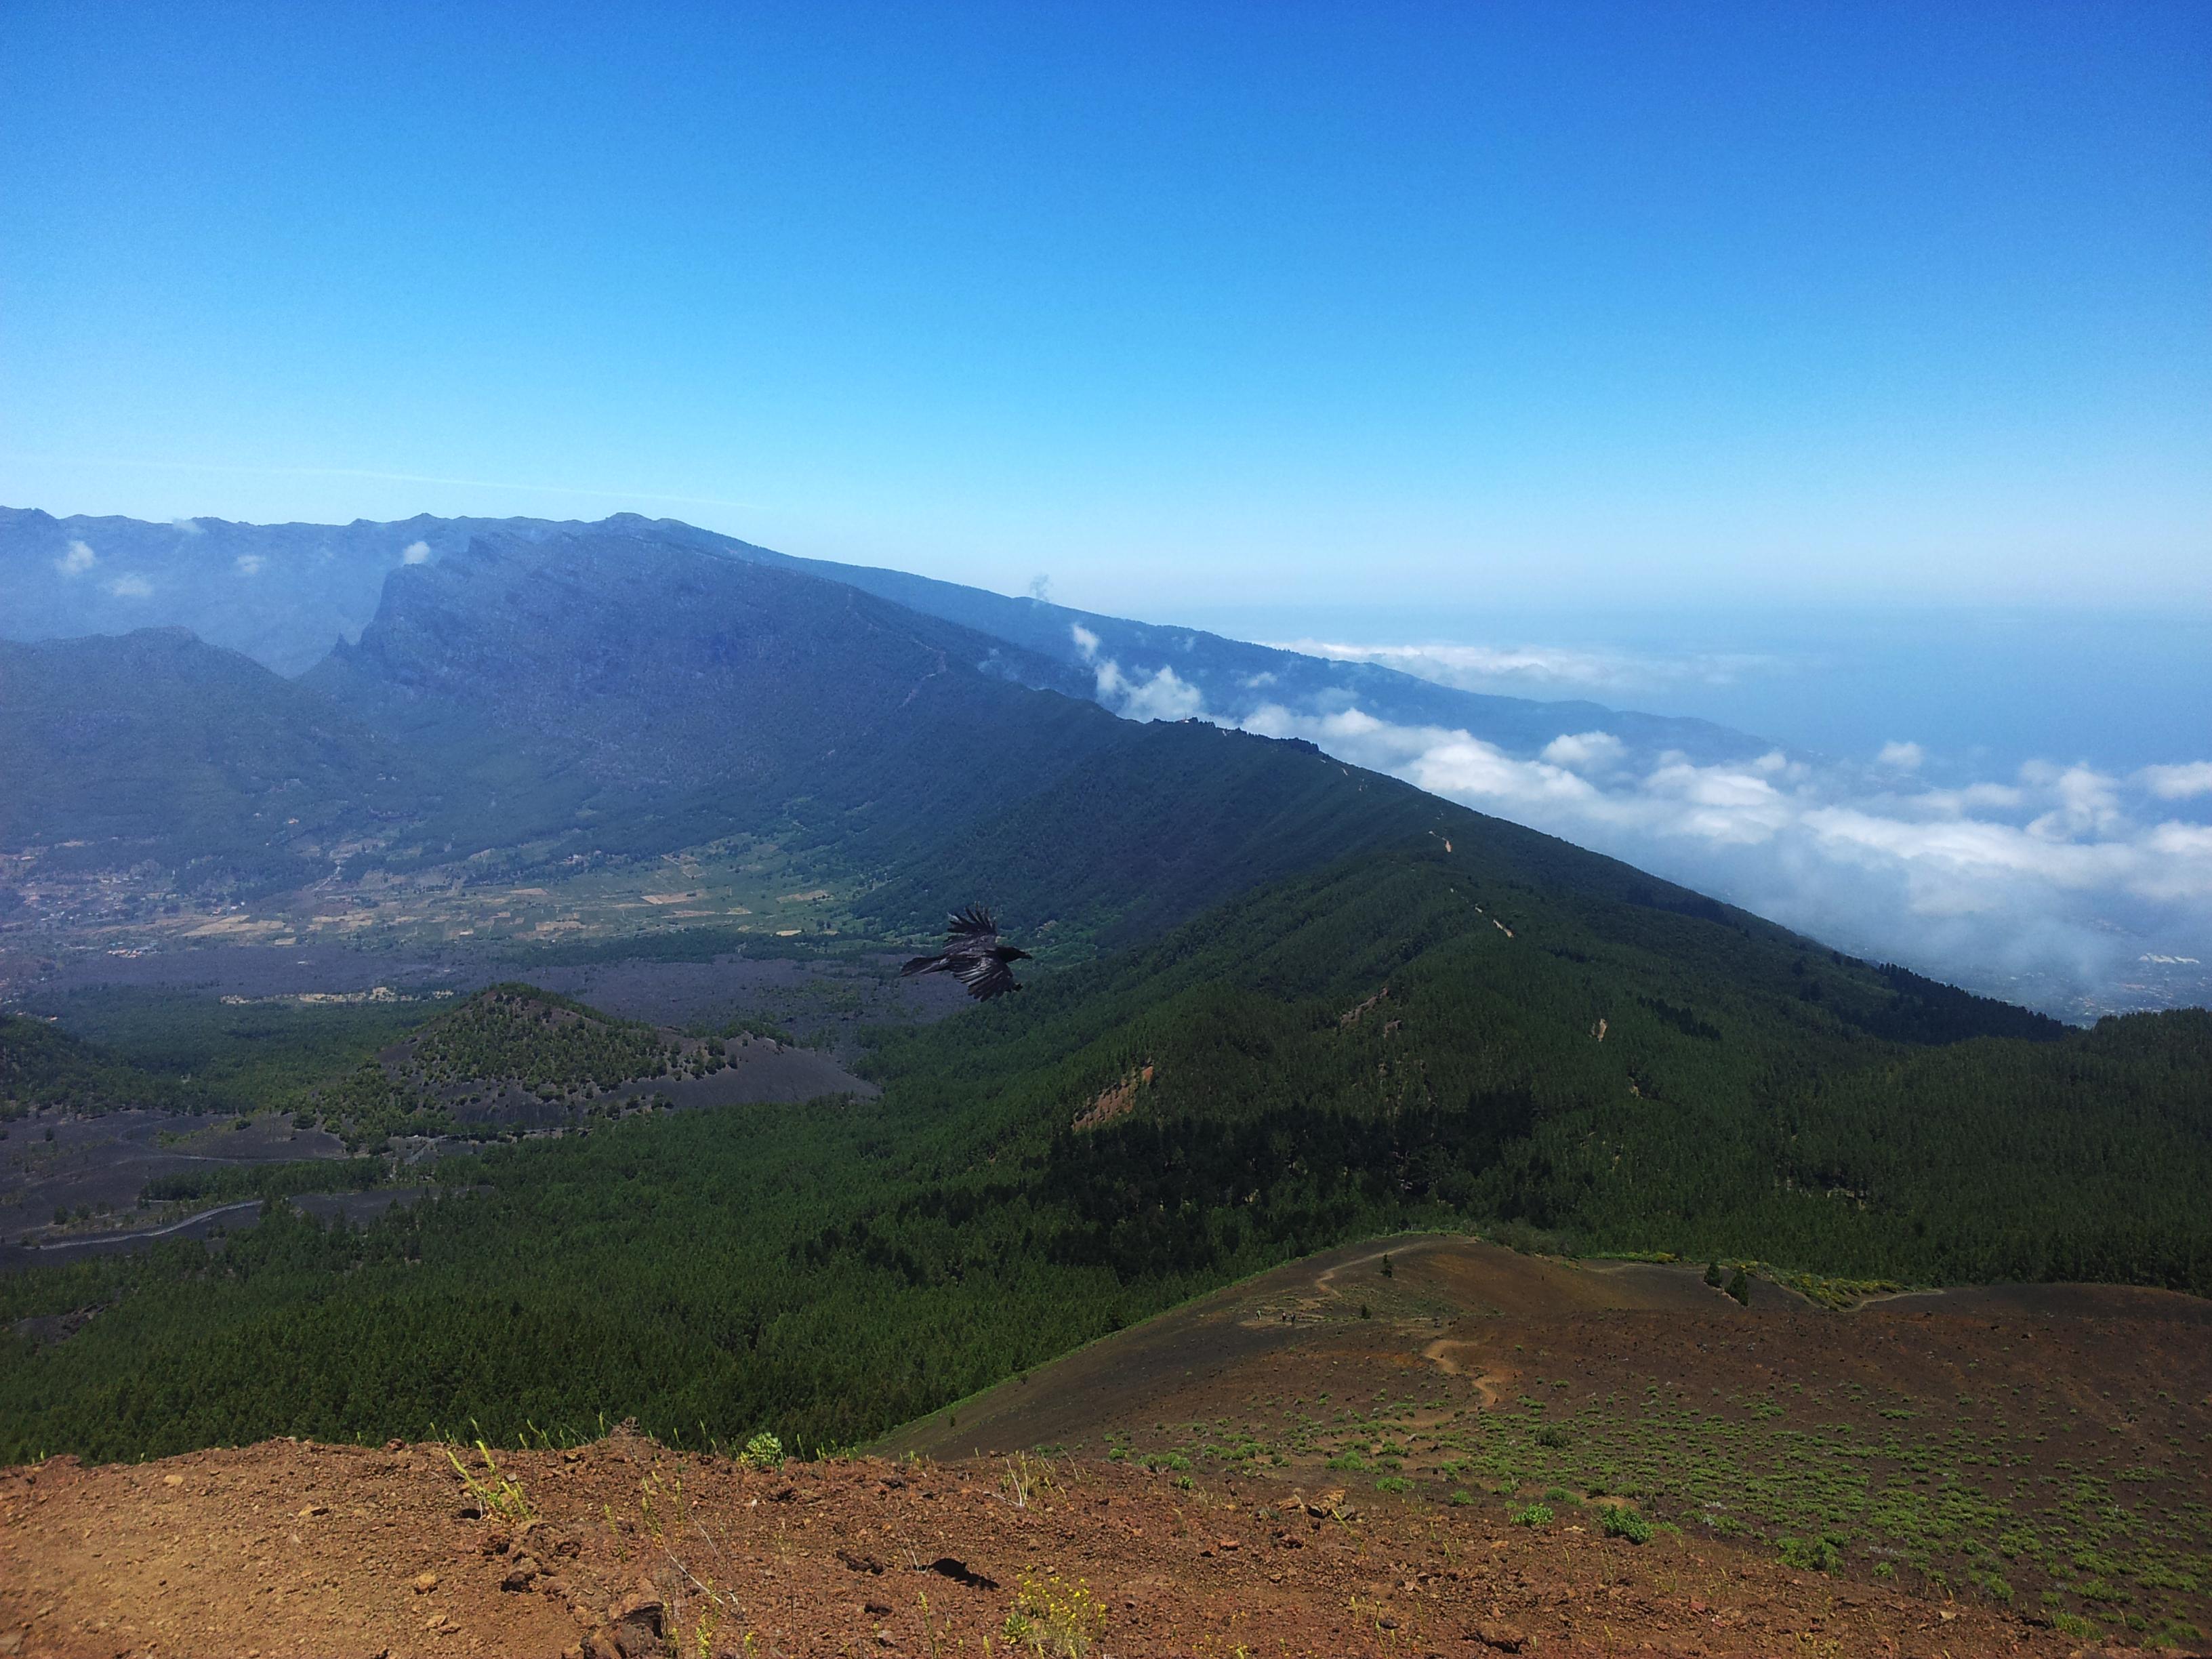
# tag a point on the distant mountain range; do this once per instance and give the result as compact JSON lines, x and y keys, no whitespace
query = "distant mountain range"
{"x":285,"y":594}
{"x":635,"y":688}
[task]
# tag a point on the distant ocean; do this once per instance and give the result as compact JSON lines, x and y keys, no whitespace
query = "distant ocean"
{"x":1981,"y":691}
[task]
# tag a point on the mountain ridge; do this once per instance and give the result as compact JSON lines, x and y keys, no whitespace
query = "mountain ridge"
{"x":201,"y":576}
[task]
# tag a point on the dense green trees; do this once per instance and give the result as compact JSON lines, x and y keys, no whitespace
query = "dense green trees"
{"x":43,"y":1066}
{"x":1422,"y":1037}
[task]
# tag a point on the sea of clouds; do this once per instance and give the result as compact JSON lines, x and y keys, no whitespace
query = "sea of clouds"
{"x":2069,"y":887}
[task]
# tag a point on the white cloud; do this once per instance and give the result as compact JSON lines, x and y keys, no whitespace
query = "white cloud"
{"x":2178,"y":782}
{"x":2048,"y":887}
{"x":1901,"y":757}
{"x":1537,"y":671}
{"x":188,"y":526}
{"x":415,"y":553}
{"x":131,"y":588}
{"x":2085,"y":802}
{"x":1163,"y":696}
{"x":1591,"y":753}
{"x":249,"y":564}
{"x":79,"y":559}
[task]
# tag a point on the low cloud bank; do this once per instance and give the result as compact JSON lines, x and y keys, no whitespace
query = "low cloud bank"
{"x":2074,"y":888}
{"x":1541,"y":671}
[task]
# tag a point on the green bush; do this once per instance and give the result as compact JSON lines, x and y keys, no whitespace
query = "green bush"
{"x":1535,"y":1514}
{"x":1821,"y":1554}
{"x":1622,"y":1522}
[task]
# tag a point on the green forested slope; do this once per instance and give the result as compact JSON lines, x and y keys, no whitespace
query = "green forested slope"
{"x":1357,"y":1049}
{"x":42,"y":1066}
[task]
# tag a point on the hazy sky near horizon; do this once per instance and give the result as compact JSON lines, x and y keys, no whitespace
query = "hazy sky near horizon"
{"x":1179,"y":306}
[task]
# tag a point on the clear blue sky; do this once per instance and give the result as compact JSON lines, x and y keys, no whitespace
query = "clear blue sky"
{"x":1183,"y":306}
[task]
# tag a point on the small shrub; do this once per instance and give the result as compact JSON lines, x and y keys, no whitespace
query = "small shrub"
{"x":1740,"y":1287}
{"x":763,"y":1451}
{"x":1713,"y":1274}
{"x":1821,"y":1554}
{"x":1461,"y":1499}
{"x":1393,"y":1483}
{"x":1622,"y":1522}
{"x":1535,"y":1514}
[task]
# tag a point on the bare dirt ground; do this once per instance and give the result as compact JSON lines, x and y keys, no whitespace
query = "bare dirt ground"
{"x":1477,"y":1452}
{"x":2044,"y":1450}
{"x":290,"y":1549}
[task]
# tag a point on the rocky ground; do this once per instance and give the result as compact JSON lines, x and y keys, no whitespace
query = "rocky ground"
{"x":624,"y":1548}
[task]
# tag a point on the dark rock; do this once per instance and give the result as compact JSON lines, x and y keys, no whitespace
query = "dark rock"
{"x":960,"y":1572}
{"x":637,"y":1633}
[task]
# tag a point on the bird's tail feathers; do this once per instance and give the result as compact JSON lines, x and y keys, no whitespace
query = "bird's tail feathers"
{"x":922,"y":965}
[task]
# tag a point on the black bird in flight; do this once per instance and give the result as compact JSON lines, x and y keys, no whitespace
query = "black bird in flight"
{"x":974,"y":957}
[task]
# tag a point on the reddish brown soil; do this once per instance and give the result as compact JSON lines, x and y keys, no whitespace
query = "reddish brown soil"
{"x":1245,"y":1541}
{"x":293,"y":1549}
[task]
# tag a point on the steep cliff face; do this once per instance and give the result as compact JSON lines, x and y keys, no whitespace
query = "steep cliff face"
{"x":646,"y":665}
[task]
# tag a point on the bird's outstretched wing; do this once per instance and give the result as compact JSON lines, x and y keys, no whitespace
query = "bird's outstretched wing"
{"x":974,"y":922}
{"x":924,"y":965}
{"x":987,"y":977}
